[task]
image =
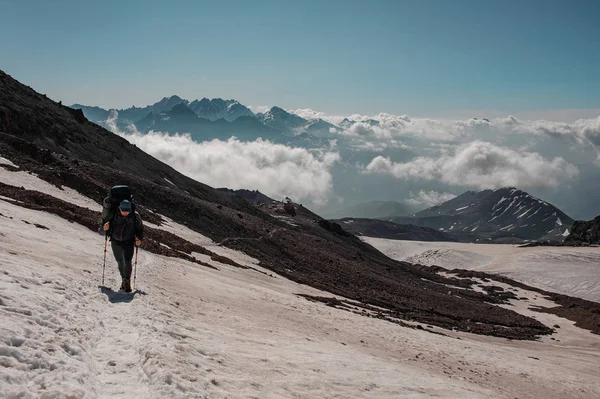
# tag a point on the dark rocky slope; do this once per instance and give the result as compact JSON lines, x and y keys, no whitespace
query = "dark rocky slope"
{"x":252,"y":196}
{"x":584,"y":233}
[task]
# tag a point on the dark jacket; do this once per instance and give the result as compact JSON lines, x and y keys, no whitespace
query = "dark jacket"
{"x":126,"y":228}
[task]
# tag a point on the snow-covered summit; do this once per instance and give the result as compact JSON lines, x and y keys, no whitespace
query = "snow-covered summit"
{"x":280,"y":119}
{"x":505,"y":213}
{"x":218,"y":108}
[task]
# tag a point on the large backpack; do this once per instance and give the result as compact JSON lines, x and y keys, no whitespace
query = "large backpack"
{"x":111,"y":203}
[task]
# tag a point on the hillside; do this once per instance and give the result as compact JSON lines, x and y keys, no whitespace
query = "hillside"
{"x":384,"y":229}
{"x":252,"y":196}
{"x":507,"y":214}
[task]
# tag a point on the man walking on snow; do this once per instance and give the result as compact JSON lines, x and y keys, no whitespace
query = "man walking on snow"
{"x":125,"y":230}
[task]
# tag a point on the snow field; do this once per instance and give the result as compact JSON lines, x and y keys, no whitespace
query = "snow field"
{"x":32,"y":182}
{"x":572,"y":271}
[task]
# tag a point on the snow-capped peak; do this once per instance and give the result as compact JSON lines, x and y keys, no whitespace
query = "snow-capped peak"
{"x":504,"y":212}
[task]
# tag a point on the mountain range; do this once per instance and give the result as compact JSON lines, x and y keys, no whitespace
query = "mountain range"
{"x":181,"y":119}
{"x":208,"y":119}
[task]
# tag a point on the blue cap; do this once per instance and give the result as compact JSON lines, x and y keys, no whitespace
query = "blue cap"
{"x":125,"y":206}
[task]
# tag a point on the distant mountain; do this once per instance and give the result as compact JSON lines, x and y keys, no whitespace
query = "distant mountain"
{"x":212,"y":110}
{"x":371,"y":122}
{"x":390,"y":230}
{"x":244,"y":128}
{"x":218,"y":108}
{"x":271,"y":125}
{"x":506,"y":214}
{"x":167,"y":103}
{"x":181,"y":119}
{"x":374,"y":210}
{"x":130,"y":115}
{"x":280,"y":119}
{"x":319,"y":127}
{"x":134,"y":114}
{"x":584,"y":233}
{"x":346,"y":123}
{"x":252,"y":196}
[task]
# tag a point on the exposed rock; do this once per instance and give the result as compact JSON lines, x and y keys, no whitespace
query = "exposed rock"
{"x":289,"y":207}
{"x":584,"y":233}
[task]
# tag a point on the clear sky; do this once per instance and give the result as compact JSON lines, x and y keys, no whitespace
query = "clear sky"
{"x":420,"y":57}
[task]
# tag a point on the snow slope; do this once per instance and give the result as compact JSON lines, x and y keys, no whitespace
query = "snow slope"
{"x":31,"y":182}
{"x":191,"y":331}
{"x":568,"y":270}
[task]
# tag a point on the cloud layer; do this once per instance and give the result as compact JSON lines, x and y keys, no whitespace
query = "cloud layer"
{"x":426,"y":155}
{"x":429,"y":198}
{"x":275,"y":170}
{"x":482,"y":165}
{"x":259,"y":108}
{"x":388,"y":126}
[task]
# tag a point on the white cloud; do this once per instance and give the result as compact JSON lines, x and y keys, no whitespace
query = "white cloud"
{"x":568,"y":115}
{"x":389,"y":127}
{"x":482,"y":165}
{"x":111,"y":121}
{"x":585,"y":131}
{"x":259,"y":108}
{"x":274,"y":169}
{"x":429,"y":198}
{"x":308,"y":113}
{"x":369,"y":146}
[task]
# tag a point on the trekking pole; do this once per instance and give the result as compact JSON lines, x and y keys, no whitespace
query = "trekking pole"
{"x":135,"y":266}
{"x":104,"y":265}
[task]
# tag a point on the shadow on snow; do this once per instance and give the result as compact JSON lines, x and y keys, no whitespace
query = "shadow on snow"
{"x":119,"y":296}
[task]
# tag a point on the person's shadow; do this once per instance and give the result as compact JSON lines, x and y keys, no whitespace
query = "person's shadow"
{"x":119,"y":296}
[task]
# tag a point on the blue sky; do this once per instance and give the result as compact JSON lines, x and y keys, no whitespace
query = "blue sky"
{"x":404,"y":57}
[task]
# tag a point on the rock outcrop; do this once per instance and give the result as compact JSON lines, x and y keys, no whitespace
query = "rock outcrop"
{"x":584,"y":233}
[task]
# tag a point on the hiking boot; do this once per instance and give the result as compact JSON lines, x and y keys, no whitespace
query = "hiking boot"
{"x":122,"y":288}
{"x":126,"y":285}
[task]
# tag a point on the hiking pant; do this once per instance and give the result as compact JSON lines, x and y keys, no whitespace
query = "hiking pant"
{"x":123,"y":252}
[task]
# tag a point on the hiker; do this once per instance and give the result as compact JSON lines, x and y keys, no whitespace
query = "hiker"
{"x":125,"y":230}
